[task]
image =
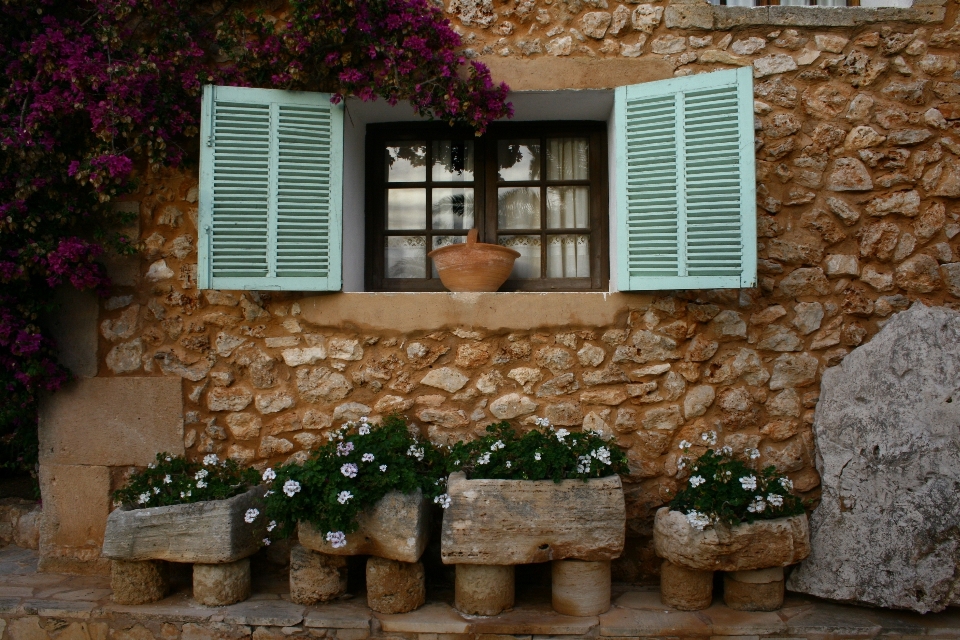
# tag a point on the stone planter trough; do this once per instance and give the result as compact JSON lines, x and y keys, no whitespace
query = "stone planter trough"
{"x":493,"y":525}
{"x":211,"y":535}
{"x":393,"y":533}
{"x":751,"y":555}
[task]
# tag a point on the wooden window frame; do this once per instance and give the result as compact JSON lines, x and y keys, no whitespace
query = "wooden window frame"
{"x":485,"y":199}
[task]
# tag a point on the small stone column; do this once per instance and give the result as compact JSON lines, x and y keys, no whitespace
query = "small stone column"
{"x":760,"y":590}
{"x":316,"y":577}
{"x":139,"y":582}
{"x":394,"y":586}
{"x":685,"y":589}
{"x":217,"y":585}
{"x":484,"y":589}
{"x":581,"y":588}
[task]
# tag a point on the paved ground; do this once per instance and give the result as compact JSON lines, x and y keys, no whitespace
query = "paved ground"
{"x":38,"y":606}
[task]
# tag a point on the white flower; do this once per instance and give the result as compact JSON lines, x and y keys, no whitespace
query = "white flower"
{"x":509,"y":464}
{"x":169,"y":459}
{"x":271,"y":526}
{"x":681,"y":463}
{"x":561,"y":434}
{"x":757,"y":506}
{"x":775,"y":499}
{"x":443,"y":500}
{"x":726,"y":451}
{"x":344,"y":448}
{"x":383,"y":468}
{"x":415,"y":451}
{"x":344,"y":497}
{"x":749,"y":483}
{"x":363,"y":430}
{"x":710,"y":437}
{"x":537,"y":456}
{"x":156,"y":490}
{"x":602,"y":454}
{"x":152,"y":465}
{"x":167,"y":479}
{"x":349,"y":470}
{"x":200,"y":475}
{"x":291,"y":487}
{"x":268,"y":493}
{"x":696,"y":481}
{"x":541,"y":422}
{"x":367,"y":457}
{"x":583,"y":464}
{"x":266,"y":542}
{"x":786,"y":483}
{"x":144,"y":498}
{"x":497,"y":445}
{"x":484,"y":459}
{"x":336,"y":539}
{"x":201,"y":484}
{"x":753,"y":454}
{"x":697,"y":520}
{"x":250,"y":515}
{"x":684,"y":445}
{"x":269,"y":475}
{"x":210,"y":459}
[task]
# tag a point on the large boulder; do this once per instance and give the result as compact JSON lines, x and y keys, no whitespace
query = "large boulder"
{"x":887,"y":531}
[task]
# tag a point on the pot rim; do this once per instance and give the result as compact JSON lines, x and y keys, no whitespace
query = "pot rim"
{"x":482,"y":247}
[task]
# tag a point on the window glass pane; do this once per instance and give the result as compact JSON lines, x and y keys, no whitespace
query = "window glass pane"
{"x":568,"y":159}
{"x":407,"y":162}
{"x":407,"y":209}
{"x":406,"y":257}
{"x":518,"y":159}
{"x":453,"y":160}
{"x":568,"y":256}
{"x":568,"y":207}
{"x":528,"y":264}
{"x":452,"y":208}
{"x":444,"y":241}
{"x":518,"y":208}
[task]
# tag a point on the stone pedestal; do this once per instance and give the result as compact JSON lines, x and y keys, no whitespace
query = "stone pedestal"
{"x":760,"y":590}
{"x":685,"y":589}
{"x":316,"y":577}
{"x":581,"y":588}
{"x":139,"y":582}
{"x":394,"y":586}
{"x":221,"y":584}
{"x":484,"y":589}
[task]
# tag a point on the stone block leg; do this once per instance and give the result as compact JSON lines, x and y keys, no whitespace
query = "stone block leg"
{"x":484,"y":589}
{"x":139,"y":582}
{"x":760,"y":590}
{"x":216,"y":585}
{"x":581,"y":588}
{"x":685,"y":589}
{"x":316,"y":577}
{"x":394,"y":586}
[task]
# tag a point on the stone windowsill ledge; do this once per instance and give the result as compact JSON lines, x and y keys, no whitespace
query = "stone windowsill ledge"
{"x":686,"y":15}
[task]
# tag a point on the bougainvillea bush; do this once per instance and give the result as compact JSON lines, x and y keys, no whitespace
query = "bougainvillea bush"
{"x":96,"y":94}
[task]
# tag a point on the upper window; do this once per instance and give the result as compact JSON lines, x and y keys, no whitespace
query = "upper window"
{"x":538,"y":188}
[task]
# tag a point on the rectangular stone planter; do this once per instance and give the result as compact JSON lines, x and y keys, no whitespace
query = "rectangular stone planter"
{"x":508,"y":522}
{"x":395,"y":528}
{"x":211,"y":532}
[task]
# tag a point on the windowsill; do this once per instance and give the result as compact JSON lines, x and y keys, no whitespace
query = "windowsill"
{"x":485,"y":312}
{"x":688,"y":15}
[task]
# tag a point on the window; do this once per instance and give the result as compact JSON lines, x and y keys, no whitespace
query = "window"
{"x":813,"y":3}
{"x":538,"y":188}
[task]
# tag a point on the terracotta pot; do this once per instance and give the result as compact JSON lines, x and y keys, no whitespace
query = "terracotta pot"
{"x":474,"y":266}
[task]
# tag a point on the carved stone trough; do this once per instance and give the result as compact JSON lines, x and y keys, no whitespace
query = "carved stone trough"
{"x":751,"y":555}
{"x":393,"y":533}
{"x":493,"y":525}
{"x":211,"y":535}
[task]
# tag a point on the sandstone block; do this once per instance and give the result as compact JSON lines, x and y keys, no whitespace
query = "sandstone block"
{"x":228,"y":399}
{"x":744,"y":592}
{"x":393,"y":586}
{"x":316,"y":577}
{"x":772,"y":64}
{"x":207,"y":532}
{"x":511,"y":406}
{"x":919,"y":274}
{"x":140,"y":582}
{"x":522,"y":521}
{"x":898,"y":439}
{"x":217,"y":585}
{"x":445,"y":378}
{"x":395,"y":528}
{"x":484,"y":590}
{"x":758,"y":545}
{"x":580,"y":588}
{"x":685,"y":589}
{"x":70,"y":537}
{"x":793,"y":370}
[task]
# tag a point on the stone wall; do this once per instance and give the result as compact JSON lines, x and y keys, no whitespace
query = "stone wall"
{"x":857,"y":143}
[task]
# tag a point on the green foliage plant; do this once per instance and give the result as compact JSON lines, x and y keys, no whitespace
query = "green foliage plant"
{"x":725,"y":490}
{"x":359,"y":465}
{"x":542,"y":453}
{"x":175,"y":480}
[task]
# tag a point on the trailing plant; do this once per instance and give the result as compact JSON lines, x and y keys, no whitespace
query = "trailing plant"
{"x":542,"y":453}
{"x":724,"y":490}
{"x":175,"y":480}
{"x":97,"y":93}
{"x":359,"y":465}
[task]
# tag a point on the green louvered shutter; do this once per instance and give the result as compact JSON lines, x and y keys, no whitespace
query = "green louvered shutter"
{"x":270,"y":190}
{"x":686,"y":193}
